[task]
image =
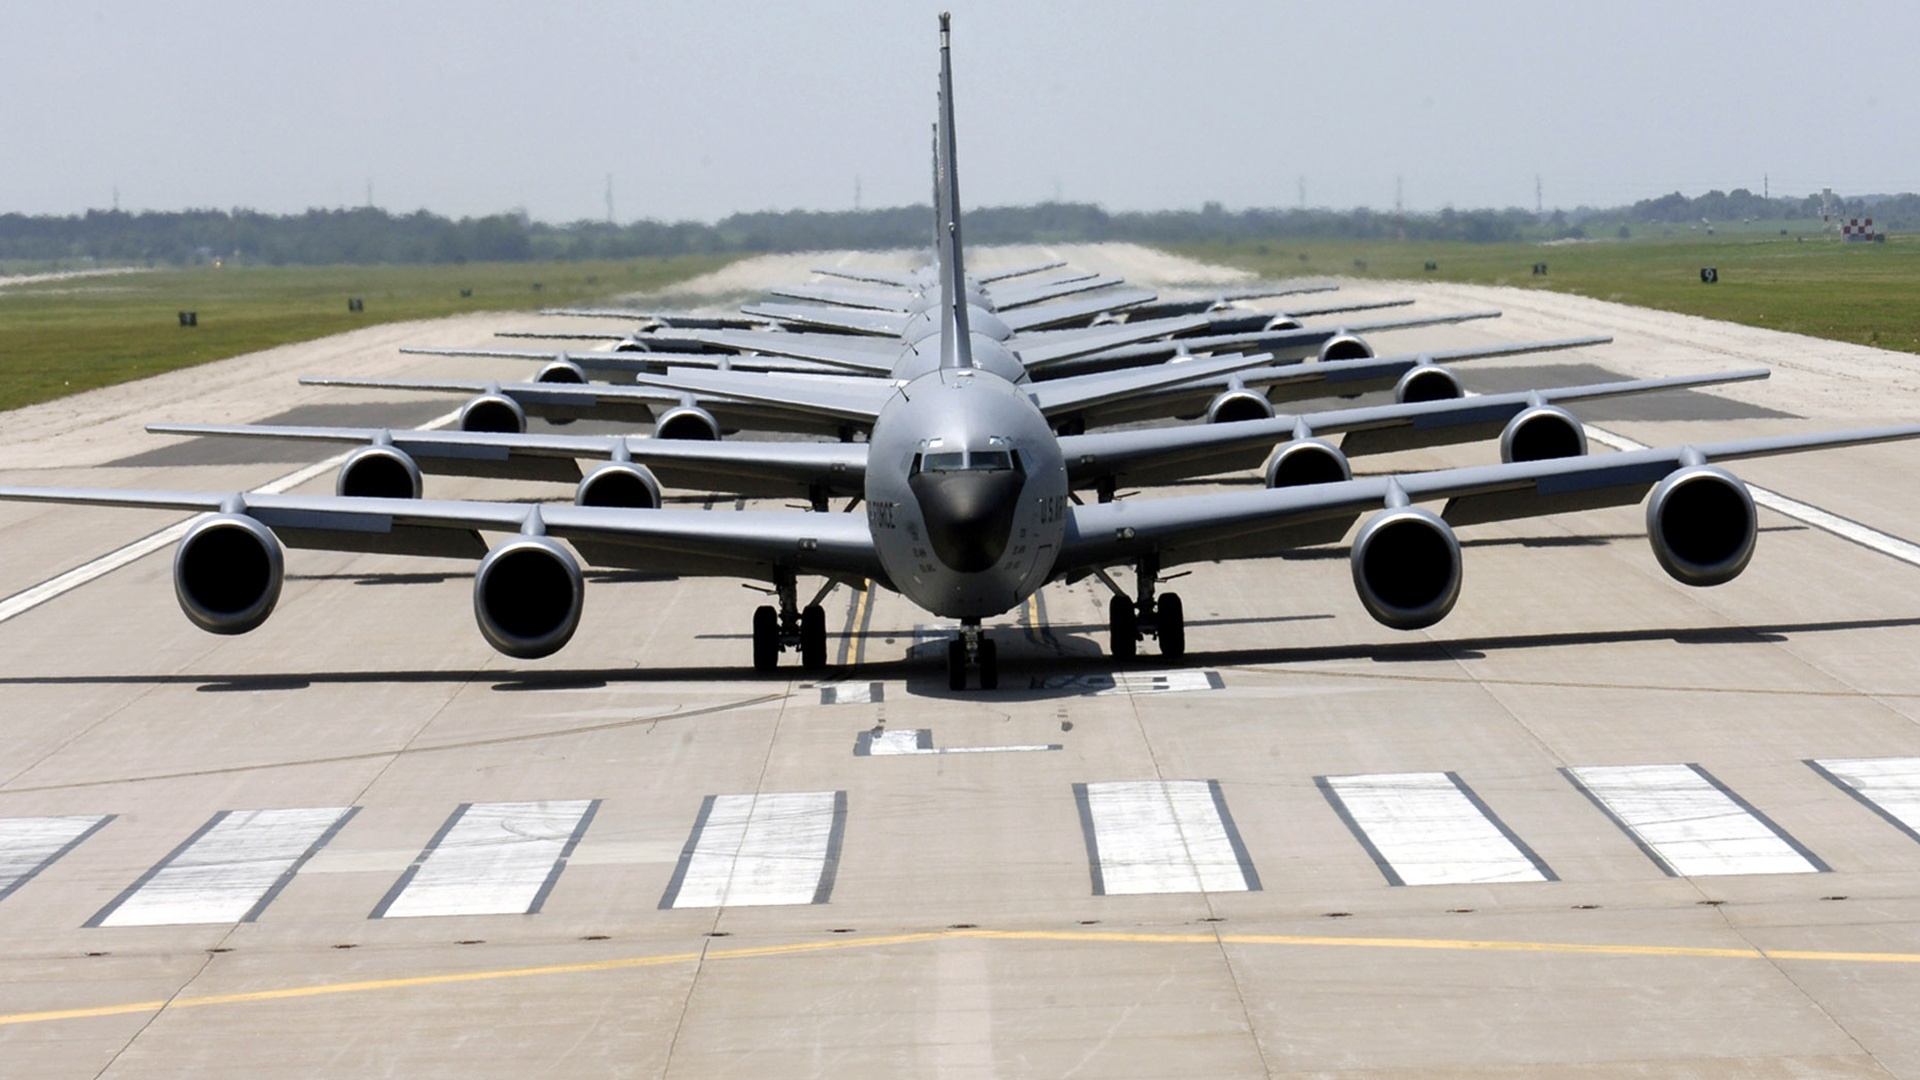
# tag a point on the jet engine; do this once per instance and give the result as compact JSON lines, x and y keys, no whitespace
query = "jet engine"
{"x":619,"y":483}
{"x":1427,"y":382}
{"x":687,"y":422}
{"x":1540,"y":433}
{"x":493,"y":412}
{"x":379,"y":472}
{"x":1283,"y":322}
{"x":227,"y":573}
{"x":1406,"y":568}
{"x":527,"y":596}
{"x":1238,"y":403}
{"x":1306,"y":461}
{"x":1702,"y":525}
{"x":1344,"y":347}
{"x":561,"y":370}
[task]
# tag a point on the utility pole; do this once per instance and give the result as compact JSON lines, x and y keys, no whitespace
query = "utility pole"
{"x":609,"y":198}
{"x":369,"y":193}
{"x":1537,"y":207}
{"x":856,"y":193}
{"x":1399,"y":188}
{"x":1766,"y":188}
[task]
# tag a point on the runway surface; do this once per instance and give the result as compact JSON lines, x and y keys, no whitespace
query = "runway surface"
{"x":1593,"y":824}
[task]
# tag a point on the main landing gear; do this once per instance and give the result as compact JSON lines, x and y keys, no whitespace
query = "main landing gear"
{"x":1164,"y":617}
{"x":789,"y":627}
{"x":972,"y":649}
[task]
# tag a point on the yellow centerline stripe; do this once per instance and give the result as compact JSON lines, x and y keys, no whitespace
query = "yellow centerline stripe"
{"x":1060,"y":936}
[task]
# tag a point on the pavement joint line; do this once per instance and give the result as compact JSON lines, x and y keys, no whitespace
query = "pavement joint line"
{"x":1215,"y":939}
{"x":32,"y":597}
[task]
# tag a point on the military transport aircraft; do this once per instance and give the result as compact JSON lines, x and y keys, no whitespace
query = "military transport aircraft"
{"x":968,"y":513}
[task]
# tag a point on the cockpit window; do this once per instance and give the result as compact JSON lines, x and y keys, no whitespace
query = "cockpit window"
{"x":966,"y":461}
{"x":950,"y":461}
{"x":990,"y":461}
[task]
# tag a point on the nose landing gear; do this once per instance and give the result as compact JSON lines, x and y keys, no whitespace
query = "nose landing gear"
{"x":972,"y":649}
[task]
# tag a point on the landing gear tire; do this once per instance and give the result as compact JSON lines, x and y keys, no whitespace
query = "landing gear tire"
{"x":956,"y":665}
{"x":1173,"y":626}
{"x":1123,"y":629}
{"x":766,"y":638}
{"x":989,"y":665}
{"x":813,"y":638}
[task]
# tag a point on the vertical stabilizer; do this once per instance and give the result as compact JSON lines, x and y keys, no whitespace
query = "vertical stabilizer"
{"x":956,"y":346}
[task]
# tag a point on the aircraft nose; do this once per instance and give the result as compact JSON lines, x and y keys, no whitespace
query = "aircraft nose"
{"x":969,"y":515}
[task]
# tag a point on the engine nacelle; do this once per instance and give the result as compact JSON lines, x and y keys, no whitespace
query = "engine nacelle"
{"x":1541,"y":433}
{"x":527,"y":597}
{"x":1702,"y":525}
{"x":1427,"y":382}
{"x":378,"y":472}
{"x":562,"y":369}
{"x":1307,"y":461}
{"x":619,"y":483}
{"x":687,"y":422}
{"x":493,"y":412}
{"x":1406,"y":568}
{"x":227,"y":573}
{"x":1345,"y":347}
{"x":1229,"y":406}
{"x":1285,"y":322}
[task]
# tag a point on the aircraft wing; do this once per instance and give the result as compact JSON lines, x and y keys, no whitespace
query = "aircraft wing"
{"x":1063,"y":312}
{"x":622,"y":365}
{"x":1019,"y":271}
{"x":867,"y":355}
{"x":1067,"y":396}
{"x":1283,"y":342}
{"x":871,"y":277}
{"x":1058,"y":345}
{"x":1161,"y":454}
{"x":1015,"y":295}
{"x":866,"y":297}
{"x":847,"y":320}
{"x":686,"y":542}
{"x":855,"y":400}
{"x":1258,"y":524}
{"x":736,"y":468}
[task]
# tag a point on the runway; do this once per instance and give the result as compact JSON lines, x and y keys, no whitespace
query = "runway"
{"x":1593,"y":824}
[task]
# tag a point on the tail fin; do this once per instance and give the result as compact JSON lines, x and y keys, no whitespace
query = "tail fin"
{"x":956,"y":345}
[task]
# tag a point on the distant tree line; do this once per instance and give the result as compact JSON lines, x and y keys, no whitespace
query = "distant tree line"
{"x":369,"y":235}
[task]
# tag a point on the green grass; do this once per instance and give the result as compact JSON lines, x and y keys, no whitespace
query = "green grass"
{"x":62,"y":337}
{"x":1864,"y":293}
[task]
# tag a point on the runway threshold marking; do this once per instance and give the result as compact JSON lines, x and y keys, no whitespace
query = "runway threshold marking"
{"x":1430,"y":829}
{"x":491,"y":859}
{"x":1162,"y":836}
{"x":30,"y":845}
{"x":1066,"y":937}
{"x":1890,"y":787}
{"x":1805,"y":513}
{"x":900,"y":742}
{"x":228,"y":871}
{"x":1690,"y":824}
{"x":59,"y":585}
{"x":760,"y":850}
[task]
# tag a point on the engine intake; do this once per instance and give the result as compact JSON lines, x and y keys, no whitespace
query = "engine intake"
{"x":227,"y":573}
{"x":1406,"y":568}
{"x":689,"y":422}
{"x":527,"y":597}
{"x":1427,"y":382}
{"x":1702,"y":525}
{"x":493,"y":412}
{"x":561,"y":369}
{"x":621,"y":484}
{"x":1541,"y":433}
{"x":1307,"y":461}
{"x":1345,"y":347}
{"x":1281,"y":322}
{"x":379,"y":472}
{"x":1230,"y":406}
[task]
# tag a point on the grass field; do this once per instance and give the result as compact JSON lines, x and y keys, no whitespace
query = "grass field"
{"x":61,"y":337}
{"x":1864,"y":293}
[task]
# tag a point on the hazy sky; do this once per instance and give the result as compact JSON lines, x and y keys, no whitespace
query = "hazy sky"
{"x":700,"y":109}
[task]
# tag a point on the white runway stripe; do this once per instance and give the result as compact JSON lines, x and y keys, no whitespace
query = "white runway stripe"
{"x":491,"y":859}
{"x":227,"y":872}
{"x":1689,"y":823}
{"x":1162,"y":836}
{"x":758,"y":850}
{"x":1430,"y":829}
{"x":1889,"y":787}
{"x":30,"y":845}
{"x":28,"y":599}
{"x":906,"y":741}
